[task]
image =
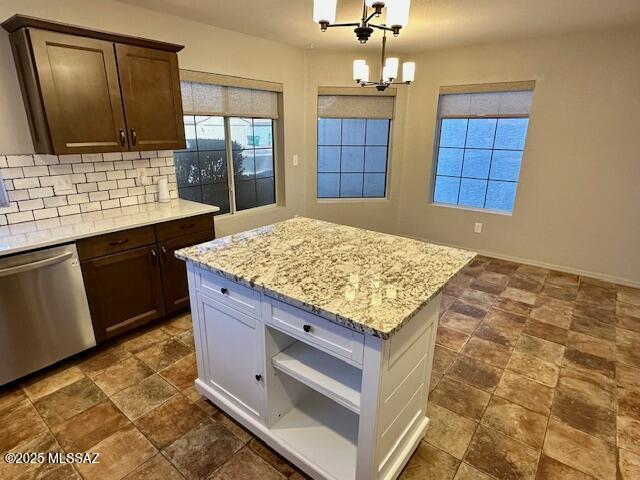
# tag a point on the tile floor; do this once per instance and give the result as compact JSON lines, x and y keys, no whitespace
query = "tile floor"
{"x":536,"y":375}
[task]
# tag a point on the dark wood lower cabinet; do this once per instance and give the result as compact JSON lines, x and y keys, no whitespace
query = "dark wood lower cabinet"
{"x":174,"y":271}
{"x":132,"y":277}
{"x":124,"y":290}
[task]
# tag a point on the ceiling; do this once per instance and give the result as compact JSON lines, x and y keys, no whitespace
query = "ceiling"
{"x":433,"y":23}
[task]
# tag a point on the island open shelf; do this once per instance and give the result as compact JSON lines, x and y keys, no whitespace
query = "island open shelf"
{"x":324,"y":433}
{"x":320,"y":371}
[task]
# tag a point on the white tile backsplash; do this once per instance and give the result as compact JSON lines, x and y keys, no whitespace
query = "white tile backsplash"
{"x":50,"y":186}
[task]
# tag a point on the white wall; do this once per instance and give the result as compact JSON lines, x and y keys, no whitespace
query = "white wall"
{"x":578,"y":201}
{"x":206,"y":49}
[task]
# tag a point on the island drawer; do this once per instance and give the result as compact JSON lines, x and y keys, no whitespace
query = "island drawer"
{"x":319,"y":332}
{"x":231,"y":294}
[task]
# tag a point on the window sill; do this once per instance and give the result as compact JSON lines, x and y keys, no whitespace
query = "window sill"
{"x":250,"y":211}
{"x":472,"y":209}
{"x":328,"y":201}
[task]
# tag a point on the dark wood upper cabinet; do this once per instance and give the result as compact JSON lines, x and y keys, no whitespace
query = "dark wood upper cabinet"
{"x":82,"y":116}
{"x":150,"y":84}
{"x":88,"y":91}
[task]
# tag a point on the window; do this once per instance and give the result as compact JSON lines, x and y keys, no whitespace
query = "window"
{"x":353,"y":145}
{"x":202,"y":170}
{"x":352,"y":157}
{"x":480,"y":147}
{"x":230,"y":159}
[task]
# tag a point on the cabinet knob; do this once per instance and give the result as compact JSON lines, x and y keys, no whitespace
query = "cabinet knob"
{"x":123,"y":137}
{"x":306,"y":328}
{"x":258,"y":377}
{"x":134,"y":137}
{"x":224,"y":291}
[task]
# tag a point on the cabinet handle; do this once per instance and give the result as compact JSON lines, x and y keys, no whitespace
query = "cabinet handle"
{"x":115,"y":243}
{"x":164,"y":254}
{"x":123,"y":137}
{"x":134,"y":137}
{"x":154,"y":257}
{"x":259,"y":377}
{"x":306,"y":328}
{"x":224,"y":291}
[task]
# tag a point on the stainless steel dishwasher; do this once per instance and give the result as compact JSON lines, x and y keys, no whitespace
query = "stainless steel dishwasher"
{"x":44,"y":314}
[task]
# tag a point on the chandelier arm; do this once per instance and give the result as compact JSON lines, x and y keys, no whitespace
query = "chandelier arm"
{"x":382,"y":27}
{"x":368,"y":19}
{"x":343,"y":25}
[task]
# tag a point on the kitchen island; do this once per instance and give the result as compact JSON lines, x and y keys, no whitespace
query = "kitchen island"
{"x":319,"y":339}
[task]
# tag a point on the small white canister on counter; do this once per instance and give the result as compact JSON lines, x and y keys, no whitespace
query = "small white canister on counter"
{"x":163,"y":190}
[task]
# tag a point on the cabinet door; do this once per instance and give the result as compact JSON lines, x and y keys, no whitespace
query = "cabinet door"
{"x":232,"y":353}
{"x":80,"y":92}
{"x":152,"y":101}
{"x":174,"y":271}
{"x":124,"y":290}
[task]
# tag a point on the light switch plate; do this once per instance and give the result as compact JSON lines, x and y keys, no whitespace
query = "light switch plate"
{"x":477,"y":228}
{"x":295,"y":160}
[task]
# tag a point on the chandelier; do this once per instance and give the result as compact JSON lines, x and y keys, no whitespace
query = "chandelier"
{"x":324,"y":13}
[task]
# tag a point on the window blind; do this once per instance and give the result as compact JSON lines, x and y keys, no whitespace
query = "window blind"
{"x":483,"y":104}
{"x":220,"y":100}
{"x":355,"y":106}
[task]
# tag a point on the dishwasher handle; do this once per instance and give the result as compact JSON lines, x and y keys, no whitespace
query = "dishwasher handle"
{"x":5,"y":272}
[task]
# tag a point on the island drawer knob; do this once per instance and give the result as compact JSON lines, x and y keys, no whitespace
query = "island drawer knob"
{"x":306,"y":328}
{"x":258,"y":377}
{"x":224,"y":290}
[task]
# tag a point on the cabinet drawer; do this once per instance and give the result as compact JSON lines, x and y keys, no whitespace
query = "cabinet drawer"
{"x":115,"y":242}
{"x":238,"y":297}
{"x":184,"y":226}
{"x":328,"y":336}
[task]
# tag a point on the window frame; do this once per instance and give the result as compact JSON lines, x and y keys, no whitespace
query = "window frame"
{"x":231,"y":188}
{"x":389,"y":146}
{"x":434,"y":168}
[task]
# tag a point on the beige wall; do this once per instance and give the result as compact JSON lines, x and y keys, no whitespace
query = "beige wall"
{"x":206,"y":48}
{"x":578,"y":201}
{"x":331,"y":69}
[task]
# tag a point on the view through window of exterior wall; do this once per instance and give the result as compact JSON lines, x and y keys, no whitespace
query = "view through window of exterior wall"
{"x":352,"y":157}
{"x":479,"y":162}
{"x":481,"y":141}
{"x":205,"y":173}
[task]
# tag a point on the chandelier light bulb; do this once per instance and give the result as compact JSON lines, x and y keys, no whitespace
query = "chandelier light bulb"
{"x":390,"y":70}
{"x":324,"y":11}
{"x":365,"y":76}
{"x":398,"y":13}
{"x":359,"y":69}
{"x":408,"y":71}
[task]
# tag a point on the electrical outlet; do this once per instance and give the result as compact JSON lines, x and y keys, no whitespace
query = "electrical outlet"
{"x":477,"y":228}
{"x":295,"y":160}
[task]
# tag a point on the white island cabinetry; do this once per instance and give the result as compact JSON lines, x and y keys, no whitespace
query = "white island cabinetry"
{"x":319,"y":339}
{"x":338,"y":403}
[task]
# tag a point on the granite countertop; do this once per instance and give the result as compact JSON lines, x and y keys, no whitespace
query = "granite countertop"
{"x":370,"y":282}
{"x":21,"y":237}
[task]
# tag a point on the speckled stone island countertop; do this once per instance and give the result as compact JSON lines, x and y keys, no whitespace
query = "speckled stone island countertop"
{"x":370,"y":282}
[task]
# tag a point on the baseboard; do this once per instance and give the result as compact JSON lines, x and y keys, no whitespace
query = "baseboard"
{"x":535,"y":263}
